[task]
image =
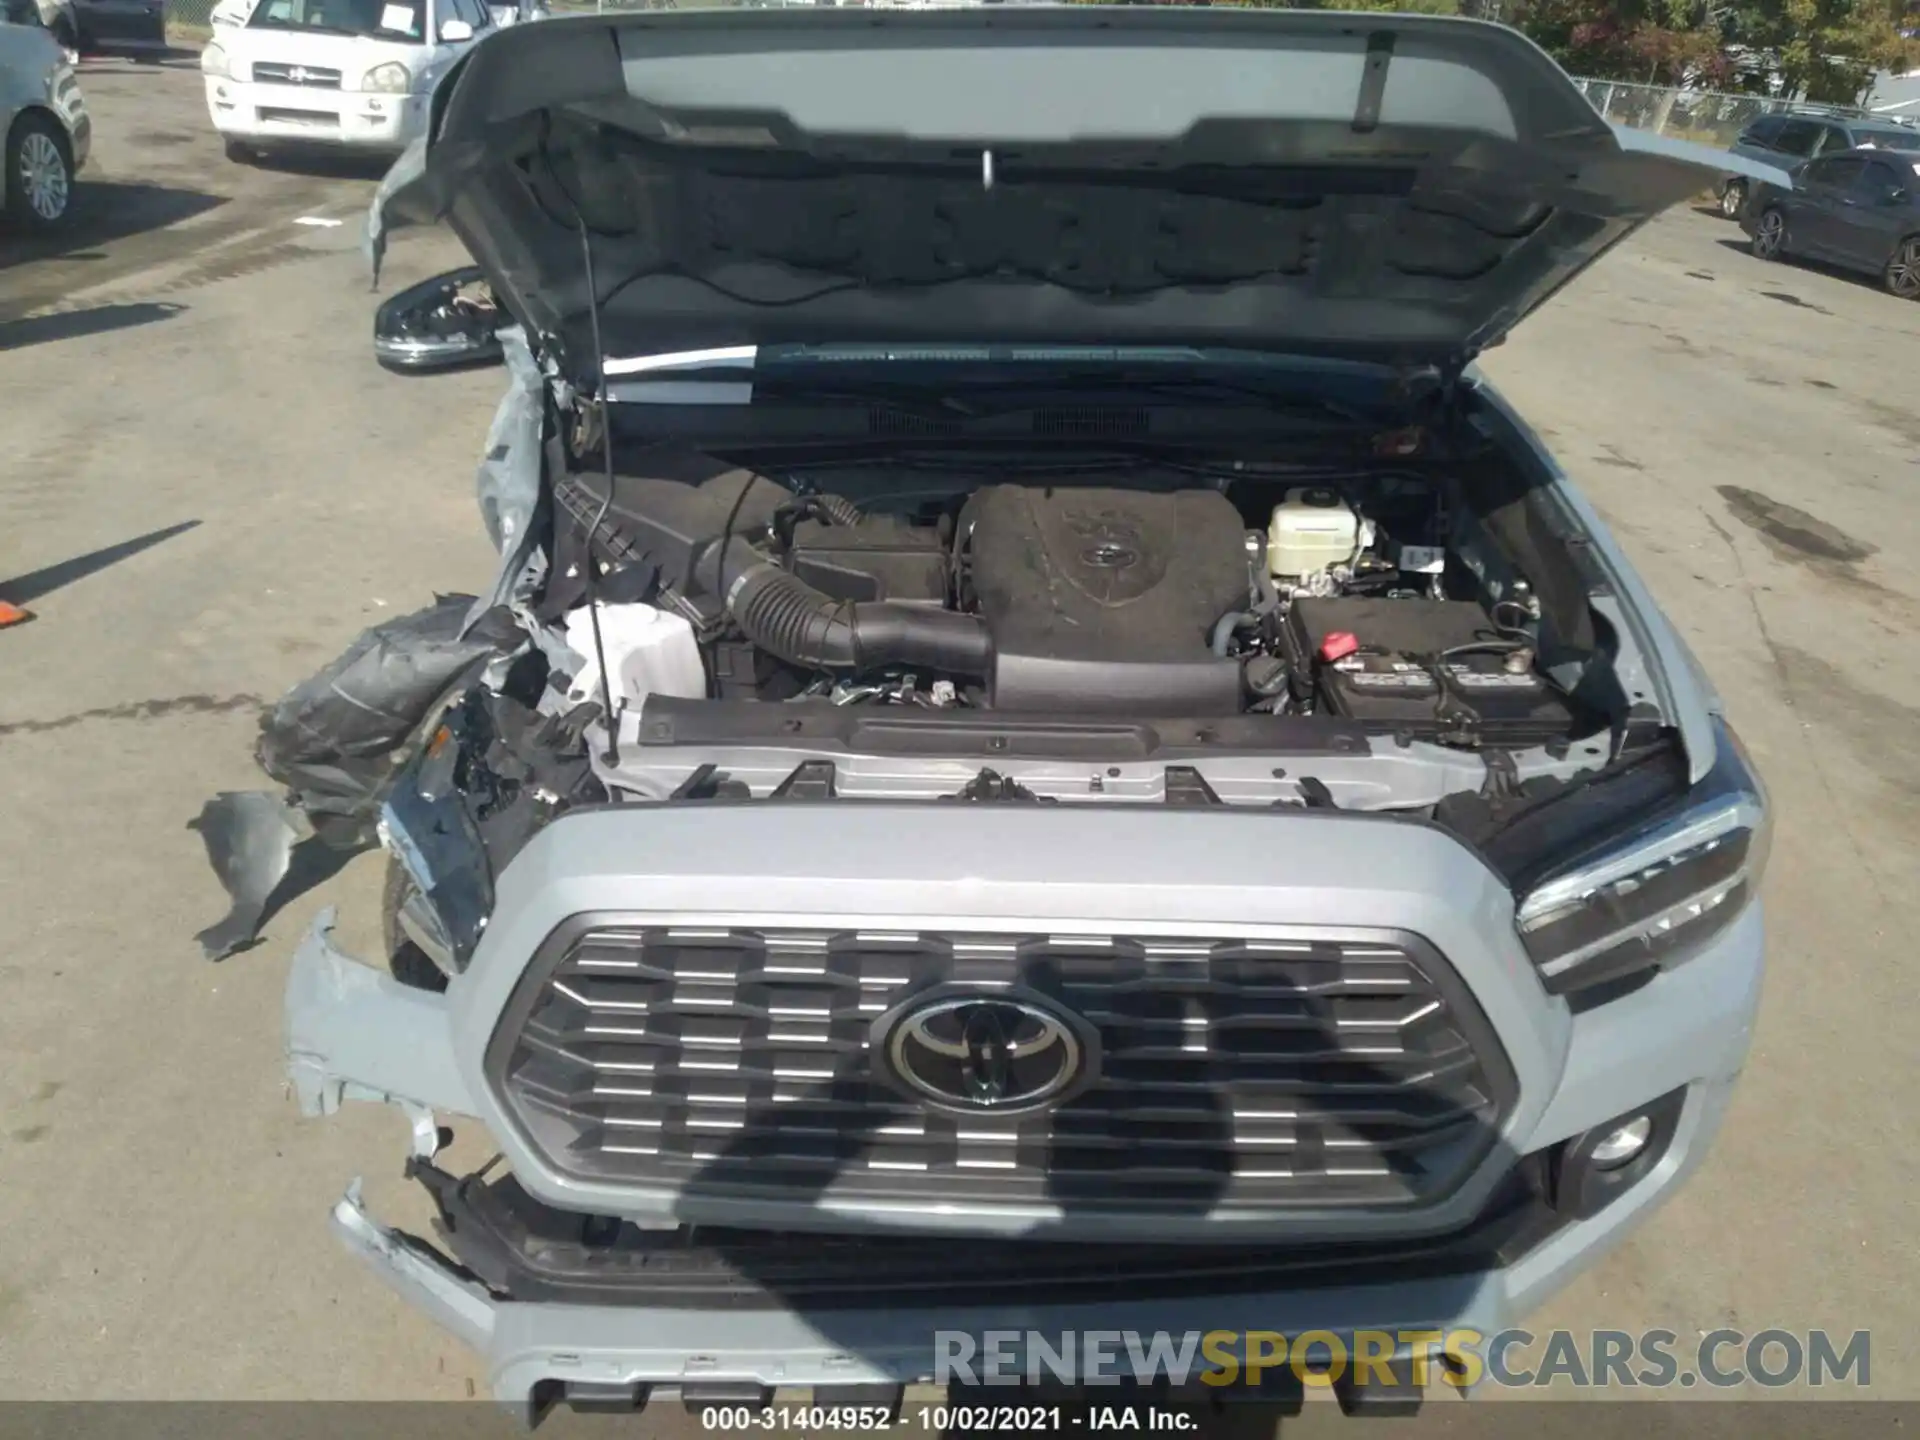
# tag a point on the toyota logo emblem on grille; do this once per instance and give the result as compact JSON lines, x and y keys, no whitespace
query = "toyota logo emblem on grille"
{"x":976,"y":1053}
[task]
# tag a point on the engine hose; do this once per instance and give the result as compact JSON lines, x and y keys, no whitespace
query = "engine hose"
{"x":1269,"y":597}
{"x":1266,"y":600}
{"x":1224,"y":627}
{"x":787,"y":617}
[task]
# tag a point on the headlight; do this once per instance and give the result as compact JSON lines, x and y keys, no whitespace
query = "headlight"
{"x":392,"y":78}
{"x":213,"y":61}
{"x":1643,"y":898}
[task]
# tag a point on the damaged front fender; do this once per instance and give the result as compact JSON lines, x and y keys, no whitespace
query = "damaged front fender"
{"x":509,"y":476}
{"x":339,"y":741}
{"x":355,"y":1033}
{"x":402,"y":199}
{"x":335,"y":742}
{"x":414,"y":193}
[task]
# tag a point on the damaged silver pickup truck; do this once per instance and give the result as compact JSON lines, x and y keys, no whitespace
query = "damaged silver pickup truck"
{"x":1044,"y":751}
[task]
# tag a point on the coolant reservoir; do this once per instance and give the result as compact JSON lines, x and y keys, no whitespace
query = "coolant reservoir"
{"x":649,"y":652}
{"x":1311,"y":530}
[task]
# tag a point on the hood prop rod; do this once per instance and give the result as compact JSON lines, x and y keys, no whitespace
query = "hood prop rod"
{"x":612,"y":755}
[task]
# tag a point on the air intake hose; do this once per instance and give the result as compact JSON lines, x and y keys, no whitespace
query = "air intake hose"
{"x":785,"y":616}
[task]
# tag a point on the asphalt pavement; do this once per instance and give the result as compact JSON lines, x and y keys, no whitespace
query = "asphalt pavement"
{"x":209,"y":488}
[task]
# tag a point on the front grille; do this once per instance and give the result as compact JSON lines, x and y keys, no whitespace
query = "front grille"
{"x":319,"y":119}
{"x":1232,"y":1073}
{"x":316,"y":76}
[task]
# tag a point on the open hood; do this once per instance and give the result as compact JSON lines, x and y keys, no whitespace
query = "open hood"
{"x":1382,"y":187}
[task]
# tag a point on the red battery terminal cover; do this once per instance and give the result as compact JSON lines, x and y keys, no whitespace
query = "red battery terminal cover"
{"x":1338,"y":645}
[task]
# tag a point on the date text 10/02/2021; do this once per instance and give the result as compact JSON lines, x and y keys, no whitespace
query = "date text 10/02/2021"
{"x":945,"y":1419}
{"x":1239,"y":1362}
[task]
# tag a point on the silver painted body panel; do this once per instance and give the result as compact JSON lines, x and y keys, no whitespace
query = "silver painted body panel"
{"x":1692,"y":1026}
{"x":905,"y":862}
{"x":904,"y":866}
{"x":888,"y":857}
{"x":1679,"y":686}
{"x":894,"y":866}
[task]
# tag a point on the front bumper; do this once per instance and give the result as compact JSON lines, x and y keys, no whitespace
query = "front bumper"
{"x":296,"y":115}
{"x":353,"y":1033}
{"x":529,"y":1347}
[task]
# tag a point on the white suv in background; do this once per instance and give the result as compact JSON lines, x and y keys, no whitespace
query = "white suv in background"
{"x":350,"y":73}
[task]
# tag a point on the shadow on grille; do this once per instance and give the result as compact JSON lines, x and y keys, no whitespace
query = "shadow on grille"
{"x":1234,"y":1075}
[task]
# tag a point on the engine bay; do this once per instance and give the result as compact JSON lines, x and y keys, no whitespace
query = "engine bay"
{"x":1373,"y":600}
{"x":1411,"y":636}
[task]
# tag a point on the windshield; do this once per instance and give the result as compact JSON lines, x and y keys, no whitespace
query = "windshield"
{"x":992,"y":361}
{"x":389,"y":19}
{"x":742,"y":374}
{"x":1891,"y":137}
{"x":1000,"y":366}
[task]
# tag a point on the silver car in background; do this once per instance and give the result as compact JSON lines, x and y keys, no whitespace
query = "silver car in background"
{"x":44,"y":119}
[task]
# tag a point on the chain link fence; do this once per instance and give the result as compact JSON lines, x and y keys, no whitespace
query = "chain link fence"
{"x":189,"y":14}
{"x":1707,"y":116}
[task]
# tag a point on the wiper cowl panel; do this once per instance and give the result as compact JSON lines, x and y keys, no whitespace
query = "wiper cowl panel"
{"x":949,"y":404}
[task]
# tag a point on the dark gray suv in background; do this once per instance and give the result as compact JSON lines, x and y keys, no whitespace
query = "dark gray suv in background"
{"x":1789,"y":140}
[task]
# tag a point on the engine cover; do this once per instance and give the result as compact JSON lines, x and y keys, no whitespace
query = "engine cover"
{"x":1104,"y":600}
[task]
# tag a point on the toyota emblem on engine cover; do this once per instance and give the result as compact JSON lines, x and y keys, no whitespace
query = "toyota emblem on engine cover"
{"x":976,"y":1053}
{"x":1109,"y":555}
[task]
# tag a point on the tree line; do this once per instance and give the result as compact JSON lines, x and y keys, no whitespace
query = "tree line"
{"x":1823,"y":51}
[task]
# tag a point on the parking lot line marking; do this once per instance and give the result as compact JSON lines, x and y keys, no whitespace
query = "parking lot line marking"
{"x":321,"y":220}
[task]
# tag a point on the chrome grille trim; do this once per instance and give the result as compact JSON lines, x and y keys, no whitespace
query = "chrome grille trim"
{"x":317,"y":77}
{"x":1346,"y":1068}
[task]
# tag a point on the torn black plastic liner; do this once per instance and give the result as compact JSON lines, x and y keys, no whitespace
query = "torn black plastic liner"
{"x":335,"y":741}
{"x":251,"y":837}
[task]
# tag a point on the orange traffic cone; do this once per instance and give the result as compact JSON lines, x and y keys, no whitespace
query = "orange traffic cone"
{"x":13,"y":615}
